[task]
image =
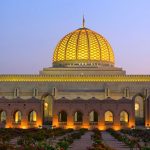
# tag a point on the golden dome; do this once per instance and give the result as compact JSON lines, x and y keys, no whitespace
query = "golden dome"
{"x":83,"y":47}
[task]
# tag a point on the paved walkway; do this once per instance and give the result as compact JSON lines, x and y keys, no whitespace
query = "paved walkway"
{"x":54,"y":141}
{"x":83,"y":143}
{"x":113,"y":143}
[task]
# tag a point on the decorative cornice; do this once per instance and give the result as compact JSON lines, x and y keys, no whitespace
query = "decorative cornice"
{"x":19,"y":100}
{"x":47,"y":78}
{"x":94,"y":100}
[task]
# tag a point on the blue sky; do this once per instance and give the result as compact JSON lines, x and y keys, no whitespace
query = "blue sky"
{"x":30,"y":30}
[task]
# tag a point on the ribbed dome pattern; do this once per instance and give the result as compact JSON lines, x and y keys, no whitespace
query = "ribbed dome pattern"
{"x":83,"y":46}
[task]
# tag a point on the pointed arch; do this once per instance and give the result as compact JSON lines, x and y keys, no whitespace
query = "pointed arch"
{"x":124,"y":117}
{"x":62,"y":116}
{"x":3,"y":116}
{"x":109,"y":117}
{"x":48,"y":99}
{"x":17,"y":116}
{"x":139,"y":104}
{"x":93,"y":116}
{"x":138,"y":94}
{"x":32,"y":117}
{"x":78,"y":116}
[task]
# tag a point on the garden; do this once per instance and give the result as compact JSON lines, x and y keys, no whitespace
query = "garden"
{"x":142,"y":136}
{"x":38,"y":139}
{"x":62,"y":139}
{"x":133,"y":138}
{"x":98,"y":143}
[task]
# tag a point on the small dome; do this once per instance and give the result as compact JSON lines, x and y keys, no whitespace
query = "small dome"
{"x":83,"y":47}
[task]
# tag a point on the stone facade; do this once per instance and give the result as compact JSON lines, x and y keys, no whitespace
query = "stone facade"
{"x":19,"y":113}
{"x":98,"y":106}
{"x":73,"y":89}
{"x":87,"y":79}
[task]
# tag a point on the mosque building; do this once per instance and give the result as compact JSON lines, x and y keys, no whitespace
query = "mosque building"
{"x":82,"y":89}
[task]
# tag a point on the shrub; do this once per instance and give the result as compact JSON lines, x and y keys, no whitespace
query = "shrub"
{"x":63,"y":144}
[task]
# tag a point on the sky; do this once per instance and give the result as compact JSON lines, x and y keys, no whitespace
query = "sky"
{"x":31,"y":29}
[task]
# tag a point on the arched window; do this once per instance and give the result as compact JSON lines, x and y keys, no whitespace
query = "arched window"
{"x":109,"y":117}
{"x":16,"y":92}
{"x":124,"y":117}
{"x":62,"y":116}
{"x":93,"y":116}
{"x":139,"y":109}
{"x":78,"y":117}
{"x":32,"y":116}
{"x":17,"y":116}
{"x":3,"y":116}
{"x":35,"y":92}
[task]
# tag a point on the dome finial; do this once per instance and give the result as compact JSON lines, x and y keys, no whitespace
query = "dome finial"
{"x":83,"y":22}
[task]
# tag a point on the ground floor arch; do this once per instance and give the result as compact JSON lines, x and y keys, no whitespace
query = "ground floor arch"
{"x":109,"y":117}
{"x":48,"y":107}
{"x":62,"y":116}
{"x":17,"y":116}
{"x":110,"y":113}
{"x":78,"y":117}
{"x":3,"y":116}
{"x":93,"y":116}
{"x":139,"y":106}
{"x":124,"y":117}
{"x":32,"y":117}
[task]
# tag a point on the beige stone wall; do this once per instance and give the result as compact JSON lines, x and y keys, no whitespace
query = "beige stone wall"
{"x":72,"y":90}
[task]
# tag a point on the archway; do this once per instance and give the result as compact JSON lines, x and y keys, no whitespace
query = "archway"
{"x":93,"y":116}
{"x":139,"y":106}
{"x":109,"y":118}
{"x":3,"y":117}
{"x":17,"y":117}
{"x":78,"y":117}
{"x":48,"y":105}
{"x":62,"y":116}
{"x":124,"y":117}
{"x":32,"y":116}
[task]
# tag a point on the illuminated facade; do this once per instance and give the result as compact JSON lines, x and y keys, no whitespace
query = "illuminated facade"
{"x":84,"y":88}
{"x":19,"y":113}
